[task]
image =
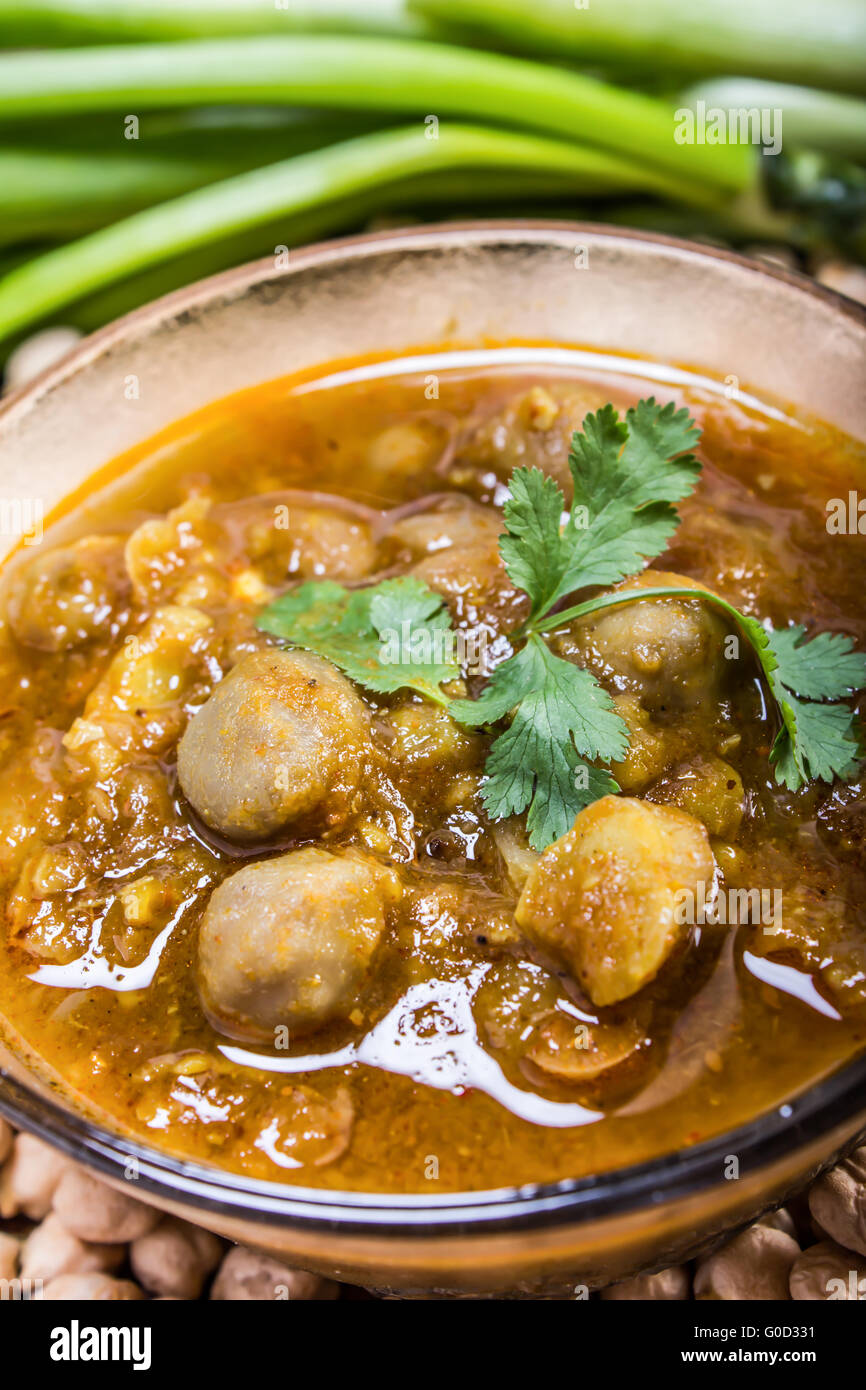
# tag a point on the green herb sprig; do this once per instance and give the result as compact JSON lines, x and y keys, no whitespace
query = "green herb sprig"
{"x":627,"y":475}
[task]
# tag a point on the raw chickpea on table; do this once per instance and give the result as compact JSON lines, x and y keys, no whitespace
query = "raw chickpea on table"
{"x":70,"y":1237}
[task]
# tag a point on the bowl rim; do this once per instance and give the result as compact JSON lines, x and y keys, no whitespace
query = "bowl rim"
{"x":834,"y":1102}
{"x":772,"y":1136}
{"x":321,"y":253}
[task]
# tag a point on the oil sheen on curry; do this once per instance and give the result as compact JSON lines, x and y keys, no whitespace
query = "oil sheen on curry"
{"x":260,"y":914}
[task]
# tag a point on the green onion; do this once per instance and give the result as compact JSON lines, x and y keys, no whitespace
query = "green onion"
{"x":820,"y":44}
{"x":210,"y":214}
{"x":56,"y":197}
{"x":811,"y":120}
{"x":58,"y":183}
{"x":57,"y":22}
{"x":49,"y":195}
{"x":364,"y":74}
{"x":248,"y":135}
{"x":464,"y":194}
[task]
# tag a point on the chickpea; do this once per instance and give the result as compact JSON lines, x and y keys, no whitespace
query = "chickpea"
{"x":605,"y":897}
{"x":837,"y":1201}
{"x":174,"y":1259}
{"x":90,"y":1288}
{"x":51,"y":1250}
{"x":290,"y":941}
{"x":755,"y":1265}
{"x":65,"y":598}
{"x":668,"y":1285}
{"x":29,"y":1178}
{"x":95,"y":1212}
{"x":246,"y":1275}
{"x":779,"y":1220}
{"x":708,"y":789}
{"x":827,"y":1272}
{"x":280,"y":743}
{"x":669,"y":652}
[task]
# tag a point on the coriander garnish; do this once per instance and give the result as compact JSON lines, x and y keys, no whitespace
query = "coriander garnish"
{"x":627,"y":475}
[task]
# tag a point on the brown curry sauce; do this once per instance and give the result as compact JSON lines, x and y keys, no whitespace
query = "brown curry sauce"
{"x":106,"y":870}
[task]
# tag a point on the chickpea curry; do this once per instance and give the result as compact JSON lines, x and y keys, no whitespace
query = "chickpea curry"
{"x":420,"y":782}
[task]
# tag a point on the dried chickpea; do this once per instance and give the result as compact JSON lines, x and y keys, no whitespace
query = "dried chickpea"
{"x":29,"y":1178}
{"x":175,"y":1258}
{"x":247,"y":1275}
{"x":668,"y":1285}
{"x":755,"y":1265}
{"x":826,"y":1272}
{"x":51,"y":1250}
{"x":10,"y":1249}
{"x":90,"y":1288}
{"x":95,"y":1212}
{"x":837,"y":1201}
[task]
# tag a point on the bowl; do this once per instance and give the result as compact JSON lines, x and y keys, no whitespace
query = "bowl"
{"x":746,"y":327}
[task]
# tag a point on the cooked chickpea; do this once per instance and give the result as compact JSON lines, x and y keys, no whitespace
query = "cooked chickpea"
{"x":670,"y":652}
{"x":651,"y":749}
{"x":310,"y":543}
{"x":289,"y":942}
{"x":280,"y":742}
{"x":441,"y":528}
{"x":605,"y":899}
{"x":709,"y":789}
{"x":424,"y":738}
{"x":406,"y":449}
{"x":65,"y":598}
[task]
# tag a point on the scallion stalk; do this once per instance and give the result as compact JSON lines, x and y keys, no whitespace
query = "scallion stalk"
{"x":432,"y":81}
{"x":60,"y":22}
{"x":298,"y":185}
{"x":811,"y":120}
{"x":819,"y":44}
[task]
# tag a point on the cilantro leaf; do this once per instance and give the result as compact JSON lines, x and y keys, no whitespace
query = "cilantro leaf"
{"x":561,"y":715}
{"x":626,"y":475}
{"x":561,"y":724}
{"x":533,"y":549}
{"x":816,"y":741}
{"x":824,"y":668}
{"x":391,"y":636}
